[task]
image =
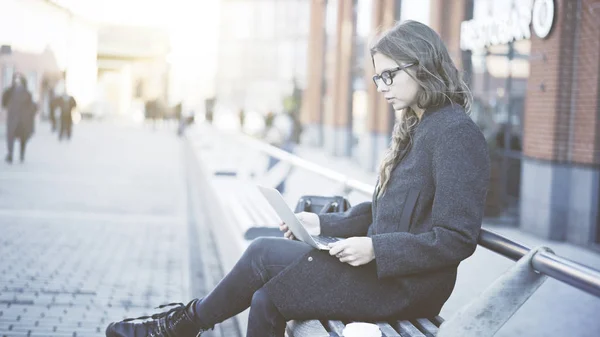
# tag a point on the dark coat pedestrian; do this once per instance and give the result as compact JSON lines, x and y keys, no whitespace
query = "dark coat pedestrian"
{"x":18,"y":102}
{"x":65,"y":105}
{"x":52,"y":112}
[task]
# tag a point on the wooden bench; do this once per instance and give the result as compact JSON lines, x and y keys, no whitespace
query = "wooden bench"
{"x":422,"y":327}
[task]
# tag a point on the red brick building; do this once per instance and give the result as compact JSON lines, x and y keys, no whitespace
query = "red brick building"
{"x":533,"y":67}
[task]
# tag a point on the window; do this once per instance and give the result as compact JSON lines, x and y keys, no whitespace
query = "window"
{"x":7,"y":74}
{"x":241,"y":21}
{"x":266,"y":25}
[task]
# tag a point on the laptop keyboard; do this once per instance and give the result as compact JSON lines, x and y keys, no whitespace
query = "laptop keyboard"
{"x":324,"y":240}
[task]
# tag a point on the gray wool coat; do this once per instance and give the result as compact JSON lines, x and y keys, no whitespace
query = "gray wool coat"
{"x":21,"y":112}
{"x":425,"y":224}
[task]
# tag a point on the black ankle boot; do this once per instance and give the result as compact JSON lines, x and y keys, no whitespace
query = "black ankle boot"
{"x":177,"y":322}
{"x":8,"y":159}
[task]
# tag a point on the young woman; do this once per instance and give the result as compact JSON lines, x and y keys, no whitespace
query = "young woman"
{"x":402,"y":250}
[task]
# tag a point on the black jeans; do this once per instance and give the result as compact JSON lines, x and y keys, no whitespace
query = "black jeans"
{"x":66,"y":128}
{"x":10,"y":142}
{"x":242,"y":287}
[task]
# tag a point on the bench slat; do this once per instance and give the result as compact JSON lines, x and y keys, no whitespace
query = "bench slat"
{"x":247,"y":212}
{"x":336,"y":326}
{"x":426,"y":326}
{"x":311,"y":328}
{"x":387,"y":330}
{"x":228,"y":200}
{"x":256,"y":206}
{"x":251,"y":208}
{"x":437,"y":320}
{"x":407,"y":329}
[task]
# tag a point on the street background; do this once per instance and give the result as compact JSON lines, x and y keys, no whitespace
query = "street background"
{"x":141,"y":205}
{"x":97,"y":230}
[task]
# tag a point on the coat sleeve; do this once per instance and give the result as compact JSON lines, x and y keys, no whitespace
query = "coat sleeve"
{"x":32,"y":105}
{"x":5,"y":97}
{"x":461,"y":168}
{"x":354,"y":222}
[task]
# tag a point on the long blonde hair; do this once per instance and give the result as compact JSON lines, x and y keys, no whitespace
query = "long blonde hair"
{"x":438,"y":77}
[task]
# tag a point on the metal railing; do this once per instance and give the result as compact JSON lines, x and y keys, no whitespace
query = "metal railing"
{"x":575,"y":274}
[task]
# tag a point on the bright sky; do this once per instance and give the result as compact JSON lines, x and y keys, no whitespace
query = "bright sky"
{"x":193,"y":25}
{"x":143,"y":12}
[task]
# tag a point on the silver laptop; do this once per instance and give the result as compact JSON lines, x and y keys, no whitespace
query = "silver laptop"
{"x":276,"y":200}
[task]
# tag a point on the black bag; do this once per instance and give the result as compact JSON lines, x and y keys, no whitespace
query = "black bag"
{"x":320,"y":204}
{"x":308,"y":203}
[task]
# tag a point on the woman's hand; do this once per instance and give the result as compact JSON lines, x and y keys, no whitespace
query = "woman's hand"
{"x":309,"y":220}
{"x":287,"y":233}
{"x":355,"y":251}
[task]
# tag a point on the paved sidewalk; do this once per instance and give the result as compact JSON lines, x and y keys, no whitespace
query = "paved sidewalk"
{"x":556,"y":309}
{"x":92,"y":231}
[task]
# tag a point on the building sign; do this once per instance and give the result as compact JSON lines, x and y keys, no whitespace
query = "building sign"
{"x":5,"y":50}
{"x":543,"y":17}
{"x":511,"y":25}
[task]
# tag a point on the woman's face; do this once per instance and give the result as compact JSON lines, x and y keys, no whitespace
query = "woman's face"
{"x":403,"y":90}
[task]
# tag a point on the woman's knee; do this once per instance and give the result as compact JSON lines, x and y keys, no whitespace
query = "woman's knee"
{"x":261,"y":245}
{"x":257,"y":245}
{"x":260,"y":298}
{"x":261,"y":303}
{"x":270,"y":251}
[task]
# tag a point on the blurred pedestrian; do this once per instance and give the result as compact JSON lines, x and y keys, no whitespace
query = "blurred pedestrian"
{"x":185,"y":117}
{"x":21,"y":110}
{"x":52,"y":112}
{"x":279,"y":132}
{"x":177,"y":110}
{"x":242,"y":117}
{"x":292,"y":106}
{"x":55,"y":103}
{"x":65,"y":104}
{"x":269,"y":118}
{"x":209,"y":105}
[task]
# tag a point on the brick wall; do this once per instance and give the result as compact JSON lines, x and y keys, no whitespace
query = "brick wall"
{"x":387,"y":20}
{"x":586,"y":140}
{"x":446,"y":17}
{"x":311,"y":100}
{"x":378,"y":108}
{"x":373,"y":97}
{"x":562,"y":92}
{"x":345,"y":48}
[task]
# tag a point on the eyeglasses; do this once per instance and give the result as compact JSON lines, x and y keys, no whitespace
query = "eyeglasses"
{"x":387,"y":76}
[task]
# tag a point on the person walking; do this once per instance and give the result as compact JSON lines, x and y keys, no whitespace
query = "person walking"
{"x":21,"y":110}
{"x":52,"y":111}
{"x":278,"y":132}
{"x":402,"y":249}
{"x":65,"y":104}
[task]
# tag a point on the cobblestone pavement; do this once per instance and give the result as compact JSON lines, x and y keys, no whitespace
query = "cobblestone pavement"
{"x":92,"y":231}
